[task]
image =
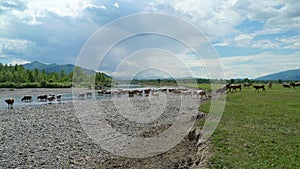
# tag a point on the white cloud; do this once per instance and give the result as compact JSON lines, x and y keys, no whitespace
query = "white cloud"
{"x":254,"y":66}
{"x":116,"y":5}
{"x":218,"y":19}
{"x":265,"y":44}
{"x":36,"y":10}
{"x":103,"y":7}
{"x":291,"y":42}
{"x":16,"y":45}
{"x":18,"y":61}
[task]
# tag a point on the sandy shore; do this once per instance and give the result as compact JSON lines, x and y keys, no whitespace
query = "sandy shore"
{"x":56,"y":135}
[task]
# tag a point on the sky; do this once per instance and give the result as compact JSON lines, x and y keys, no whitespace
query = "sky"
{"x":251,"y":38}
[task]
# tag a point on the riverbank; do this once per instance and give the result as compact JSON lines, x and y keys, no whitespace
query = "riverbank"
{"x":52,"y":135}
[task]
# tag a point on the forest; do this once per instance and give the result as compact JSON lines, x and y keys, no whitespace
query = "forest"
{"x":16,"y":76}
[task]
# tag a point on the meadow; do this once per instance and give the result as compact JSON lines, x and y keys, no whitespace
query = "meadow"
{"x":258,"y":130}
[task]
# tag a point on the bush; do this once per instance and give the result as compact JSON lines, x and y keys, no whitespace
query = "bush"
{"x":43,"y":83}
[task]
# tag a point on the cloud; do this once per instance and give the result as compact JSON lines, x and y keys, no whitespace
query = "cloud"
{"x":253,"y":66}
{"x":116,"y":5}
{"x":55,"y":31}
{"x":220,"y":20}
{"x":18,"y":61}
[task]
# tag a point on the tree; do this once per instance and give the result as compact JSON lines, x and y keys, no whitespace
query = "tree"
{"x":231,"y":81}
{"x":31,"y":77}
{"x":246,"y":80}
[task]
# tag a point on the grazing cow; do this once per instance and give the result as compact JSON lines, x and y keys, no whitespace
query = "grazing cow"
{"x":10,"y":102}
{"x":42,"y":98}
{"x":81,"y":96}
{"x":257,"y":87}
{"x":201,"y":93}
{"x":88,"y":94}
{"x":294,"y":84}
{"x":164,"y":90}
{"x":285,"y":85}
{"x":26,"y":98}
{"x":270,"y":85}
{"x":234,"y":87}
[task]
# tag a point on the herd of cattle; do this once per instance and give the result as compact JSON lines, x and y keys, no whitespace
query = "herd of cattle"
{"x":226,"y":88}
{"x":144,"y":92}
{"x":28,"y":98}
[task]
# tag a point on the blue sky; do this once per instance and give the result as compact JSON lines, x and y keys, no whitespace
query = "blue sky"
{"x":252,"y":37}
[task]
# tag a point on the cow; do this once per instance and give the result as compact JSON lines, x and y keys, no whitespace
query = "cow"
{"x":26,"y":98}
{"x":10,"y":102}
{"x":81,"y":96}
{"x":201,"y":93}
{"x":42,"y":98}
{"x":294,"y":84}
{"x":234,"y":87}
{"x":88,"y":94}
{"x":257,"y":87}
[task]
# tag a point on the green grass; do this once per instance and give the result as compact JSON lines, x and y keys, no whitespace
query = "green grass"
{"x":258,"y":130}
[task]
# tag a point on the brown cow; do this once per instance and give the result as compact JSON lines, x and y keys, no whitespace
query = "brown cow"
{"x":10,"y":102}
{"x":131,"y":93}
{"x":257,"y":87}
{"x":234,"y":87}
{"x":51,"y":98}
{"x":294,"y":84}
{"x":270,"y":85}
{"x":42,"y":98}
{"x":147,"y":92}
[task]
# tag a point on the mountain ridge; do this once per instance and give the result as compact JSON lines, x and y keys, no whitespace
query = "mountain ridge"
{"x":293,"y":74}
{"x":54,"y":67}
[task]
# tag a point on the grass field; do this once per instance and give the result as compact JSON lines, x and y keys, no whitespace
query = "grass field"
{"x":258,"y":130}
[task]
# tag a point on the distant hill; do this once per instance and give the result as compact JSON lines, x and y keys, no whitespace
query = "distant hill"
{"x":285,"y":75}
{"x":53,"y":67}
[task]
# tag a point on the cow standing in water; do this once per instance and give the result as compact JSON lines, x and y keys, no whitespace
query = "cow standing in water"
{"x":10,"y":102}
{"x":26,"y":98}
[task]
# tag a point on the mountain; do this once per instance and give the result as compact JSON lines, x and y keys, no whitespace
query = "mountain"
{"x":53,"y":67}
{"x":285,"y":75}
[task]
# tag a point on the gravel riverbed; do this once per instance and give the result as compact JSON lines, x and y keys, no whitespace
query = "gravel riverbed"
{"x":60,"y":135}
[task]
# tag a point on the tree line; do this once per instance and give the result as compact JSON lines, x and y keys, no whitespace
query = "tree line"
{"x":16,"y":76}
